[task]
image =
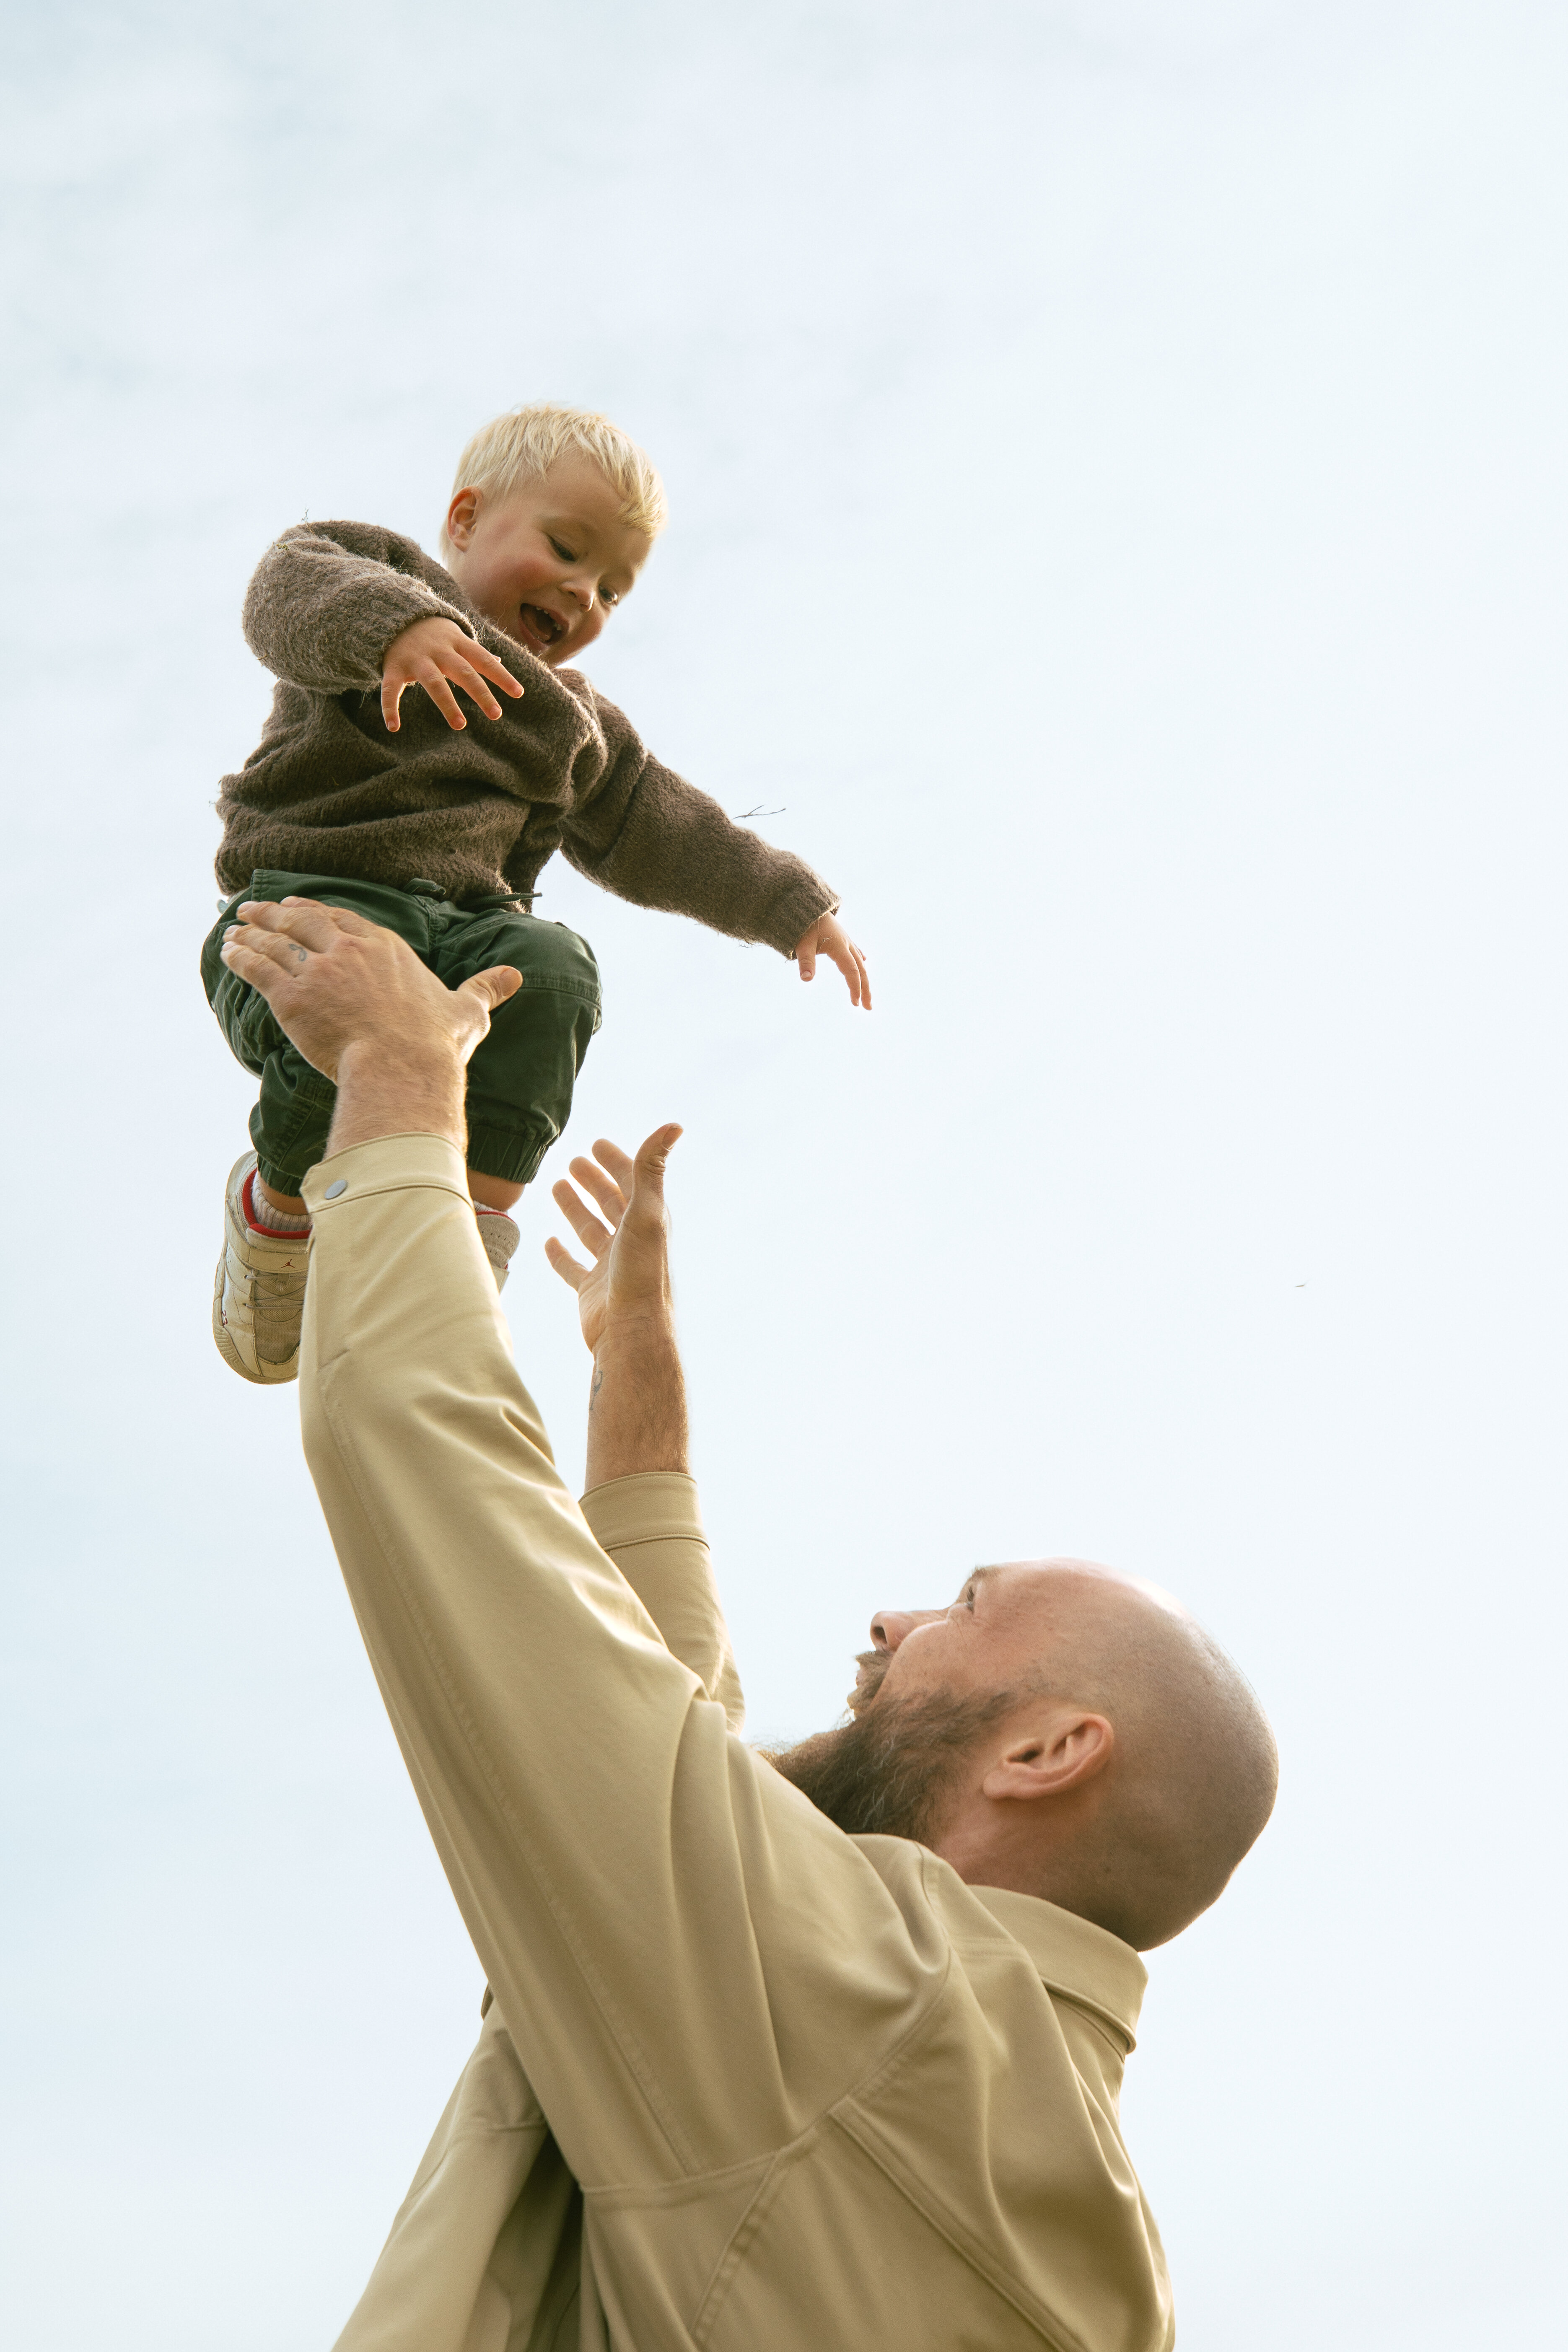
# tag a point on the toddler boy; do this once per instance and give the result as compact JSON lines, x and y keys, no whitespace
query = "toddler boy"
{"x":399,"y":809}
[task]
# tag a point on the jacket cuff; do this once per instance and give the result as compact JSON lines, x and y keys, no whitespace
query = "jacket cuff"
{"x":652,"y":1506}
{"x":390,"y":1164}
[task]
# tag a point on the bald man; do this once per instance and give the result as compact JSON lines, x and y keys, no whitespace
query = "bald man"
{"x":1061,"y":1731}
{"x":786,"y":2054}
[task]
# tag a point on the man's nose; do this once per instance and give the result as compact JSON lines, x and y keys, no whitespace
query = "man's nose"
{"x":889,"y":1627}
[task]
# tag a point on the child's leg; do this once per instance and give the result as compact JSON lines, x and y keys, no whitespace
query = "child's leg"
{"x":493,"y":1192}
{"x":291,"y":1204}
{"x":492,"y":1196}
{"x":522,"y":1073}
{"x":290,"y":1125}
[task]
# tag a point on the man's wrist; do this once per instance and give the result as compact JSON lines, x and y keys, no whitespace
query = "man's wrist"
{"x":637,"y":1401}
{"x":634,"y":1328}
{"x":392,"y":1086}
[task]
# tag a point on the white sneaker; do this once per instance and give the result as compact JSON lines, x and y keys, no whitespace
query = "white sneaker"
{"x":501,"y":1238}
{"x":259,"y":1298}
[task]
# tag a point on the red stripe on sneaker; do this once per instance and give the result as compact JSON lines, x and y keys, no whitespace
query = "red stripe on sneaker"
{"x":268,"y":1233}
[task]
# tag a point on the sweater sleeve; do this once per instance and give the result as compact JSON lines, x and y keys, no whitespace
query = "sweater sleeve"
{"x":646,"y":834}
{"x":327,"y":599}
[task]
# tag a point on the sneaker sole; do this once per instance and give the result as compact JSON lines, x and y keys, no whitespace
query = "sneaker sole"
{"x":225,"y":1345}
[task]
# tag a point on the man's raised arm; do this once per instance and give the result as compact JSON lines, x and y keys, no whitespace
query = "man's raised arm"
{"x":640,"y":1500}
{"x":692,"y":1962}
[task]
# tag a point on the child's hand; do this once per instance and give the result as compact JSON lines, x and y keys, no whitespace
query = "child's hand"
{"x":428,"y":653}
{"x":829,"y":937}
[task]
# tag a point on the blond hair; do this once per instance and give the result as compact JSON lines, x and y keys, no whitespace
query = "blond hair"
{"x":527,"y":442}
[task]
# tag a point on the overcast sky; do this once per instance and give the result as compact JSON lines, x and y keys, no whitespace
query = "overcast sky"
{"x":1116,"y":466}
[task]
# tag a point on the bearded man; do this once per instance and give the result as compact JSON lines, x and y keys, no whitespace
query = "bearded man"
{"x":786,"y":2053}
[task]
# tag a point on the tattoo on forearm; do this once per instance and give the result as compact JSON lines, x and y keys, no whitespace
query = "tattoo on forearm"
{"x":596,"y":1385}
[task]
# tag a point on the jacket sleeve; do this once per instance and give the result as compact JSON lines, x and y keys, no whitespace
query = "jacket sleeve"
{"x":490,"y":2198}
{"x":652,"y":1529}
{"x":327,"y":599}
{"x":692,"y":1963}
{"x":646,"y":834}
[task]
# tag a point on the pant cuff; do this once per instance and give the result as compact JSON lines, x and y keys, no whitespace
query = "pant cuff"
{"x":502,"y":1152}
{"x":282,"y":1179}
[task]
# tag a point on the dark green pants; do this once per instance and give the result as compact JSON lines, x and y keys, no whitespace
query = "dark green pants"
{"x":522,"y":1075}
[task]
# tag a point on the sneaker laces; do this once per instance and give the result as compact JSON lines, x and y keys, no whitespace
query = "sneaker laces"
{"x":275,"y":1301}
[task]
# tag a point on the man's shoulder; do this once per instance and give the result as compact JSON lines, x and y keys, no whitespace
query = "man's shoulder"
{"x":1070,"y":1957}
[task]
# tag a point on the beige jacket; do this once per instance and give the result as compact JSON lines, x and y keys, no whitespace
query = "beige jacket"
{"x":804,"y":2091}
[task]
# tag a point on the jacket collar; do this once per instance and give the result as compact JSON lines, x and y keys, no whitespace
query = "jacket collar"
{"x":1083,"y":1963}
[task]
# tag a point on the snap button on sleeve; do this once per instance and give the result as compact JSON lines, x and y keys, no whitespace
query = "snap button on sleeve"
{"x":340,"y":1185}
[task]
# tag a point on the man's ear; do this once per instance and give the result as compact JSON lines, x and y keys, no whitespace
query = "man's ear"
{"x":460,"y":517}
{"x":1061,"y":1752}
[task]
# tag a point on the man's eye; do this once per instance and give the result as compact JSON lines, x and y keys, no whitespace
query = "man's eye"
{"x":563,"y":552}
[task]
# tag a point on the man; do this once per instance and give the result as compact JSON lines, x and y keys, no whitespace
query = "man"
{"x":754,"y":2077}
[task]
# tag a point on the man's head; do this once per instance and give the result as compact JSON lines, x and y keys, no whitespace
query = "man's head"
{"x":1060,"y":1730}
{"x":551,"y":516}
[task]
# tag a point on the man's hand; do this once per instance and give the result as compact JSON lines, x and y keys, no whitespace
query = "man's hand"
{"x":629,"y":1278}
{"x":829,"y":937}
{"x":428,"y":653}
{"x":636,"y":1406}
{"x":366,"y":1012}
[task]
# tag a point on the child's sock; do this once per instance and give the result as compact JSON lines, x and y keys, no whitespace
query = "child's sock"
{"x":499,"y":1235}
{"x":271,"y":1220}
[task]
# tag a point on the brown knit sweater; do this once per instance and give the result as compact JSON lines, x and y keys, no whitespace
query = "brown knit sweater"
{"x":329,"y":791}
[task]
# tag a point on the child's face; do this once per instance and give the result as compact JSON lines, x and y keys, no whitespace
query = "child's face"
{"x":548,"y":562}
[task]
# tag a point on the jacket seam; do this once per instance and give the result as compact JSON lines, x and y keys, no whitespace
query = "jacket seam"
{"x":1110,"y":2024}
{"x":1119,"y":2051}
{"x":665,"y":1535}
{"x":858,"y":2129}
{"x":742,"y":2238}
{"x":723,"y":2275}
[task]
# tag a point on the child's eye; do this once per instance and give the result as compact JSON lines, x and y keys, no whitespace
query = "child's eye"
{"x":609,"y":596}
{"x":563,"y":552}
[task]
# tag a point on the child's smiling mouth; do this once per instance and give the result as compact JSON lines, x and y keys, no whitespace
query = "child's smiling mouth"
{"x":541,"y":627}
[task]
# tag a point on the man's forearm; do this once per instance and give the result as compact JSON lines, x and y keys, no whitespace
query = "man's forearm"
{"x":380,"y":1092}
{"x":637,"y":1403}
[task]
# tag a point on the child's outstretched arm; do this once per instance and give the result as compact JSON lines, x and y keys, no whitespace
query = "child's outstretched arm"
{"x":829,"y":937}
{"x":646,"y":834}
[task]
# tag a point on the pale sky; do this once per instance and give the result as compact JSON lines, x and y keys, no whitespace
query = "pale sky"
{"x":1115,"y":455}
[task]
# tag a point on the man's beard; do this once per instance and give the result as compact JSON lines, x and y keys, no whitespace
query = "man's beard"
{"x":891,"y":1768}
